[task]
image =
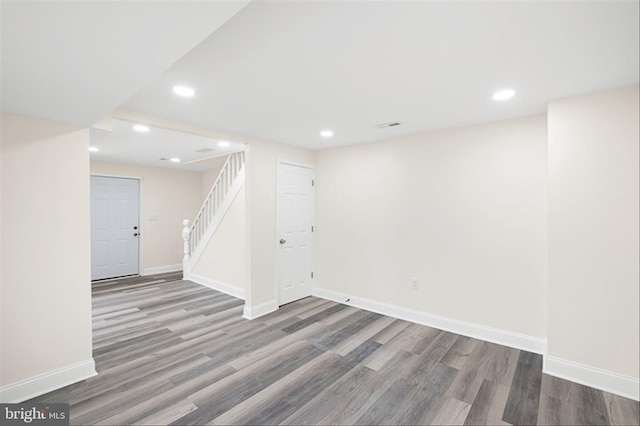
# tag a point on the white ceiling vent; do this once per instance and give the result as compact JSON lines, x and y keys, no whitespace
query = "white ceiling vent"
{"x":388,"y":124}
{"x":205,"y":150}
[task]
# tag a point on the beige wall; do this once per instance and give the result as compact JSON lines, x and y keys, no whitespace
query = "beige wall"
{"x":46,"y":295}
{"x":593,"y":231}
{"x":169,"y":196}
{"x":223,"y":259}
{"x":261,"y":189}
{"x":209,"y":177}
{"x":463,"y":210}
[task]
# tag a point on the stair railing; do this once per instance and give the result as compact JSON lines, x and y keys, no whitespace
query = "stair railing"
{"x":213,"y":207}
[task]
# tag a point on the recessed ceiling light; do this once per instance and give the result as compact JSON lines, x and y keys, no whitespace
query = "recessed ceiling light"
{"x":184,"y":91}
{"x":141,"y":128}
{"x":175,"y":160}
{"x":223,"y":144}
{"x":503,"y":95}
{"x":93,"y":149}
{"x":326,"y":133}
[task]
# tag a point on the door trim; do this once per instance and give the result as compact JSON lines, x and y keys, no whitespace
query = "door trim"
{"x":280,"y":162}
{"x":140,"y":214}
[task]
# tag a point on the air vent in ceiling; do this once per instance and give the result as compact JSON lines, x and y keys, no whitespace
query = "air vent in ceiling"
{"x":205,"y":150}
{"x":388,"y":124}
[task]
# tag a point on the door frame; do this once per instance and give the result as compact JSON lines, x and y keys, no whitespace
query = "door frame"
{"x":140,"y":214}
{"x":276,"y":243}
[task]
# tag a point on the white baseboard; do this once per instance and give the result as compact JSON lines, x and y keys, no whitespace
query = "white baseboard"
{"x":607,"y":381}
{"x":162,"y":269}
{"x":477,"y":331}
{"x":217,"y":285}
{"x":47,"y":382}
{"x":253,"y":312}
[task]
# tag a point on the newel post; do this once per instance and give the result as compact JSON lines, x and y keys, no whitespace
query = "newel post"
{"x":186,"y":236}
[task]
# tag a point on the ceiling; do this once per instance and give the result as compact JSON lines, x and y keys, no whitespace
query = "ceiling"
{"x":77,"y":61}
{"x":156,"y":147}
{"x":283,"y":70}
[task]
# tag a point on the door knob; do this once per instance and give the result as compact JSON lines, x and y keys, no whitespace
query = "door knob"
{"x":135,"y":227}
{"x":135,"y":234}
{"x":282,"y":241}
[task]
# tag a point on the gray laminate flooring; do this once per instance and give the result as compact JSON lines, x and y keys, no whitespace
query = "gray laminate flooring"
{"x":174,"y":352}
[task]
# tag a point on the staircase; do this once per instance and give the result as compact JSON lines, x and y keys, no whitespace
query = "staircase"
{"x":222,"y":193}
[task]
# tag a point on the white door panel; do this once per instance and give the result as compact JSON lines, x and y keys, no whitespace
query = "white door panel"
{"x":295,"y":221}
{"x":114,"y":227}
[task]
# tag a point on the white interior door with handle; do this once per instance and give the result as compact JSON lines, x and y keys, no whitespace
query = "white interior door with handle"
{"x":115,"y":205}
{"x":295,"y":244}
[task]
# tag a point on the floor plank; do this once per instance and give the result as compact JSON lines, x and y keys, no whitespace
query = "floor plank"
{"x":524,"y":396}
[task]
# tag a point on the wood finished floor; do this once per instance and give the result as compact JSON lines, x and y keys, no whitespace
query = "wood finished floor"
{"x":174,"y":352}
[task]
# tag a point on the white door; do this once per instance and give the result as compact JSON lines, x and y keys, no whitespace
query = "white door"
{"x":295,"y":232}
{"x":114,"y":227}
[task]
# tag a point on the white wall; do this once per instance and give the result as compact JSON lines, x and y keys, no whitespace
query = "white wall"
{"x":46,"y":293}
{"x":593,"y":231}
{"x":223,"y":259}
{"x":463,"y":210}
{"x":169,"y":196}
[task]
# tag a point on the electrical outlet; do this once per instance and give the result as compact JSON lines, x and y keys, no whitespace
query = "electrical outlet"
{"x":415,"y":284}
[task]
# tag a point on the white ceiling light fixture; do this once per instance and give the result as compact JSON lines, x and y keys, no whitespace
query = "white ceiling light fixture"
{"x":175,"y":160}
{"x":93,"y":149}
{"x":326,"y":133}
{"x":184,"y":91}
{"x":503,"y":95}
{"x":224,"y":144}
{"x":141,"y":128}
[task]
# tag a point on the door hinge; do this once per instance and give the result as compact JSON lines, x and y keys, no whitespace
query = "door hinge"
{"x":312,"y":229}
{"x":312,"y":275}
{"x":313,"y":182}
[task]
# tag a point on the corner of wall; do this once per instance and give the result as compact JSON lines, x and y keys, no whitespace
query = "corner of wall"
{"x":253,"y":312}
